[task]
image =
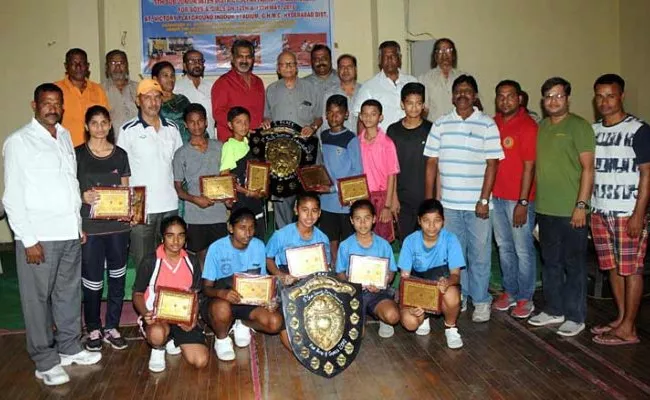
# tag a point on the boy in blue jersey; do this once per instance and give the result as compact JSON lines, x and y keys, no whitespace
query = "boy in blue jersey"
{"x":238,"y":252}
{"x":433,"y":253}
{"x":342,"y":158}
{"x":377,"y":302}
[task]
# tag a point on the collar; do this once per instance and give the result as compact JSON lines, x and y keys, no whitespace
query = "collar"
{"x":474,"y":114}
{"x":40,"y":130}
{"x":380,"y":133}
{"x":383,"y":75}
{"x":144,"y":123}
{"x":521,"y":112}
{"x":160,"y":253}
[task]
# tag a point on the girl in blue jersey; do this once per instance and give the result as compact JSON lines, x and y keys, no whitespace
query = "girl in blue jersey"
{"x":238,"y":252}
{"x":377,"y":302}
{"x":433,"y":253}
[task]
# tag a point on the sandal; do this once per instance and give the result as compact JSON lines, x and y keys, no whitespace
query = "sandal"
{"x":600,"y":329}
{"x":613,"y":340}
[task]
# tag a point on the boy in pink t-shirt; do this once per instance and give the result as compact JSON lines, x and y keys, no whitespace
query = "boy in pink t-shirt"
{"x":379,"y":159}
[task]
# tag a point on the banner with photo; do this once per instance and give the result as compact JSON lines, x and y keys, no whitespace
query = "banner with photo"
{"x":171,"y":27}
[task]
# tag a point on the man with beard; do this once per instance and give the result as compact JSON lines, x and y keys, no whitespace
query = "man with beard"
{"x":194,"y":86}
{"x":43,"y":206}
{"x":324,"y":76}
{"x":238,"y":87}
{"x":119,"y":89}
{"x":347,"y":86}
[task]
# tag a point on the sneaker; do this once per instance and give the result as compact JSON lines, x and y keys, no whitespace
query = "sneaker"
{"x":543,"y":319}
{"x":172,"y":349}
{"x":242,"y":334}
{"x":157,"y":360}
{"x":523,"y":309}
{"x":424,"y":328}
{"x":113,"y":337}
{"x":385,"y":330}
{"x":94,"y":342}
{"x":454,"y":340}
{"x":224,"y":349}
{"x":504,"y":302}
{"x":53,"y":376}
{"x":463,"y":303}
{"x":481,"y":312}
{"x":570,"y":328}
{"x":84,"y":357}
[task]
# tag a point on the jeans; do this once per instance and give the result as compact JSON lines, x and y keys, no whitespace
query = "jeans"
{"x":516,"y":249}
{"x":475,"y":237}
{"x":564,"y":274}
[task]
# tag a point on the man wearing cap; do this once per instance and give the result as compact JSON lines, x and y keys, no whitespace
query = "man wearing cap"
{"x":150,"y":142}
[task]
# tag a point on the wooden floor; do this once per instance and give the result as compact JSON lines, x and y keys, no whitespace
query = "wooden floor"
{"x":502,"y":359}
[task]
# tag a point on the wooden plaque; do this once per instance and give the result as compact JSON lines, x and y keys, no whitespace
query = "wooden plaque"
{"x":352,"y":189}
{"x":218,"y":187}
{"x":314,"y":177}
{"x":175,"y":306}
{"x":113,"y":203}
{"x":423,"y":293}
{"x":257,"y":176}
{"x":369,"y":271}
{"x":255,"y":290}
{"x":138,"y":205}
{"x":305,"y":260}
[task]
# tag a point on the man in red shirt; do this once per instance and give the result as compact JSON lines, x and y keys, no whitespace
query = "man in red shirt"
{"x":238,"y":87}
{"x":514,"y":191}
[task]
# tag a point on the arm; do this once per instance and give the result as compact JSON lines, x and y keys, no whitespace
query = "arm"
{"x":637,"y":220}
{"x":430,"y":177}
{"x":579,"y":216}
{"x":386,"y":214}
{"x":521,"y":212}
{"x":229,"y":295}
{"x":483,"y":211}
{"x":200,"y":201}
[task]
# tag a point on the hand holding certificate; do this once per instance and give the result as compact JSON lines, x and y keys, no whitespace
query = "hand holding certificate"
{"x":218,"y":187}
{"x":422,"y":293}
{"x":305,"y":260}
{"x":111,"y":203}
{"x":175,"y":306}
{"x":257,"y":290}
{"x":352,"y":189}
{"x":368,"y":271}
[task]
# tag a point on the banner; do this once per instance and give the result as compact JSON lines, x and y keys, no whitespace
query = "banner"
{"x":172,"y":27}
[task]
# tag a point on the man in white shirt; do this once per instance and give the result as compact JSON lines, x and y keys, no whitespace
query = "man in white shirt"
{"x":194,"y":86}
{"x":386,"y":86}
{"x":43,"y":204}
{"x":150,"y":142}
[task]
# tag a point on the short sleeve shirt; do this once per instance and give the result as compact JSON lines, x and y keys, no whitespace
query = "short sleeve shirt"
{"x":300,"y":105}
{"x":351,"y":246}
{"x":379,"y":160}
{"x":416,"y":256}
{"x":223,"y":259}
{"x":289,"y":237}
{"x":233,"y":150}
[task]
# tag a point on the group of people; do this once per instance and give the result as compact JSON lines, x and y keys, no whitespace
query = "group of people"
{"x":443,"y":177}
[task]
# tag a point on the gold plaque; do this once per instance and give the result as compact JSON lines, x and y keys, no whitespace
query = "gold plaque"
{"x":257,"y":176}
{"x":422,"y":293}
{"x":306,"y":260}
{"x":284,"y":155}
{"x":138,"y":204}
{"x":175,"y":306}
{"x":324,"y":321}
{"x":352,"y":189}
{"x":314,"y":178}
{"x":218,"y":187}
{"x":112,"y":203}
{"x":369,"y":271}
{"x":254,"y":289}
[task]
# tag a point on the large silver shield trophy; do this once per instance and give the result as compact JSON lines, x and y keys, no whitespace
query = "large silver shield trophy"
{"x":324,"y":321}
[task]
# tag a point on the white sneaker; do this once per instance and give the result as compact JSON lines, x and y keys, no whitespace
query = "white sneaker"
{"x":570,"y":328}
{"x":543,"y":319}
{"x":224,"y":349}
{"x":463,"y":303}
{"x":157,"y":360}
{"x":454,"y":340}
{"x":481,"y":312}
{"x":385,"y":330}
{"x":424,"y":328}
{"x":172,"y":349}
{"x":242,"y":334}
{"x":84,"y":357}
{"x":53,"y":376}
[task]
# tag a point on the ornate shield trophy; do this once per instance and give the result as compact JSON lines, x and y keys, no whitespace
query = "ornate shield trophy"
{"x":286,"y":151}
{"x":324,"y":322}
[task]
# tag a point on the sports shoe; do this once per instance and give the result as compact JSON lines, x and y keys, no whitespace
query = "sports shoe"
{"x":424,"y":328}
{"x":570,"y":328}
{"x":242,"y":334}
{"x":463,"y":303}
{"x":94,"y":342}
{"x":523,"y":309}
{"x":172,"y":349}
{"x":53,"y":376}
{"x":454,"y":340}
{"x":481,"y":312}
{"x":385,"y":330}
{"x":113,"y":337}
{"x":504,"y":302}
{"x":224,"y":349}
{"x":84,"y":357}
{"x":157,"y":360}
{"x":543,"y":319}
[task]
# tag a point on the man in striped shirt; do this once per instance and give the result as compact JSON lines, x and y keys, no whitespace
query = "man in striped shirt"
{"x":465,"y":146}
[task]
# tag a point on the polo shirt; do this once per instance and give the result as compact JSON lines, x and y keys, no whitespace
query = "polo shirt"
{"x":519,"y":143}
{"x":342,"y":158}
{"x":415,"y":255}
{"x":41,"y":197}
{"x":388,"y":93}
{"x":379,"y":160}
{"x":300,"y":104}
{"x":150,"y":158}
{"x":223,"y":259}
{"x":231,"y":90}
{"x":462,"y":147}
{"x":438,"y":91}
{"x":289,"y":237}
{"x":201,"y":95}
{"x":351,"y":246}
{"x":75,"y":104}
{"x":326,"y":84}
{"x":352,"y":119}
{"x":123,"y":107}
{"x":233,"y":150}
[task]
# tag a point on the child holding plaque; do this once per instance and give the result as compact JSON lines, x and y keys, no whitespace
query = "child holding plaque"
{"x":172,"y":267}
{"x":433,"y":253}
{"x":377,"y":302}
{"x":238,"y":252}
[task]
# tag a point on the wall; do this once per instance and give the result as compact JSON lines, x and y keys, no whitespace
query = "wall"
{"x":635,"y":55}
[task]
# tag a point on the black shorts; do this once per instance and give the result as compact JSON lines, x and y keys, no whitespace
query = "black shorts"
{"x":201,"y":236}
{"x":239,"y":311}
{"x":370,"y":300}
{"x":195,"y":336}
{"x":336,"y":226}
{"x":432,"y":274}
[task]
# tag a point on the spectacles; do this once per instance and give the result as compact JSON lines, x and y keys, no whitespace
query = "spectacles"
{"x":116,"y":63}
{"x":196,"y":62}
{"x":445,"y":51}
{"x":556,"y":96}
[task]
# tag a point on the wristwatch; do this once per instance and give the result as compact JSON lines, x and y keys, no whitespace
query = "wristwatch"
{"x":523,"y":202}
{"x":484,"y":202}
{"x":581,"y":205}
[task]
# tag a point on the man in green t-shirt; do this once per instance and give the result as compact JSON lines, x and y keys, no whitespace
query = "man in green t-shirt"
{"x":565,"y":177}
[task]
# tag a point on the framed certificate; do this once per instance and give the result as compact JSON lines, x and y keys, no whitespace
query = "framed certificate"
{"x":314,"y":177}
{"x":218,"y":187}
{"x":368,"y":271}
{"x":175,"y":306}
{"x":113,"y":203}
{"x":138,"y":205}
{"x":352,"y":189}
{"x":257,"y":176}
{"x":306,"y":260}
{"x":414,"y":292}
{"x":255,"y":290}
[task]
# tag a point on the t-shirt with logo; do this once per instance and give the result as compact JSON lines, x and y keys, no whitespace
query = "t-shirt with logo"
{"x":416,"y":256}
{"x":223,"y":259}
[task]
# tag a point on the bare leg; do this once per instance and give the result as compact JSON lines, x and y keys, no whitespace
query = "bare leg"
{"x":617,"y":284}
{"x":451,"y":305}
{"x":334,"y":249}
{"x":264,"y":320}
{"x":387,"y":311}
{"x":409,"y":321}
{"x":195,"y":354}
{"x":157,"y":334}
{"x":633,"y":293}
{"x":220,"y":317}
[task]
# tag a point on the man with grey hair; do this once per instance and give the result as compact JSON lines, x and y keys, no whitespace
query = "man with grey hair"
{"x":195,"y":86}
{"x":120,"y":90}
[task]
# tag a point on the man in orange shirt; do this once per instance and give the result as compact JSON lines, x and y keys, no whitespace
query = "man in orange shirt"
{"x":79,"y":93}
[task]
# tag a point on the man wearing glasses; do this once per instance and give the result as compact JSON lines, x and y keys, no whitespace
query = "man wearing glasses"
{"x":121,"y":91}
{"x":565,"y":178}
{"x":194,"y":86}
